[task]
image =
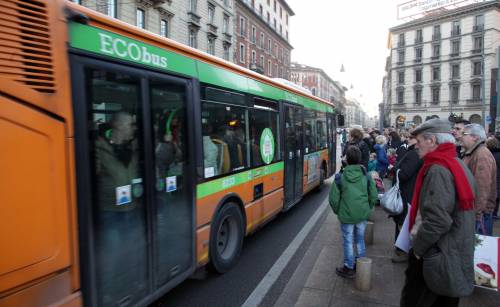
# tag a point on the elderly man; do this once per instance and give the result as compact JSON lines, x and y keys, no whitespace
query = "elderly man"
{"x":483,"y":166}
{"x":441,"y":223}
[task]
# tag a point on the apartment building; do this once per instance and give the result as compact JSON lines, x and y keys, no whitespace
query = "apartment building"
{"x":442,"y":65}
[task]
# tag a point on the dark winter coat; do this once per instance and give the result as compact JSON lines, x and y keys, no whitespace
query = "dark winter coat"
{"x":382,"y":161}
{"x":408,"y":167}
{"x":365,"y":151}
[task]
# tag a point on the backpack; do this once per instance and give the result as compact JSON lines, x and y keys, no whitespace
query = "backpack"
{"x":363,"y":169}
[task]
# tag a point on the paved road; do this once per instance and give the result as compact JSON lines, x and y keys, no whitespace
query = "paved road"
{"x":260,"y":252}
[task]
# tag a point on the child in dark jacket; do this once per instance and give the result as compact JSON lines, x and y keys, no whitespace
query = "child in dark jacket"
{"x":352,"y":198}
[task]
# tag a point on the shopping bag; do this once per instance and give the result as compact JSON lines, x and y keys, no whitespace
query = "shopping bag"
{"x":403,"y":241}
{"x":486,"y":262}
{"x":391,"y":201}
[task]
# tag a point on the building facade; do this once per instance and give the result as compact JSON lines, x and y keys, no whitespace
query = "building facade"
{"x":319,"y":83}
{"x":204,"y":25}
{"x":262,"y":36}
{"x":354,"y":114}
{"x":441,"y":65}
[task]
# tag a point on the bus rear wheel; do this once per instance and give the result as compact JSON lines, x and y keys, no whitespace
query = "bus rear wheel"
{"x":226,"y":238}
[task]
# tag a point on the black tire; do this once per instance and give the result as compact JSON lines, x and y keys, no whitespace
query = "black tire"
{"x":226,"y":238}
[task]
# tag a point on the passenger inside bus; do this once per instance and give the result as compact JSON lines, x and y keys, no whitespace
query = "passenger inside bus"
{"x":119,"y":214}
{"x":168,"y":149}
{"x":212,"y":158}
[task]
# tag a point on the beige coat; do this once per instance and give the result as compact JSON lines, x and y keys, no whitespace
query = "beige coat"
{"x":483,"y":166}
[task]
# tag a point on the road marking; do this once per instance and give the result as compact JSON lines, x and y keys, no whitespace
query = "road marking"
{"x":259,"y":293}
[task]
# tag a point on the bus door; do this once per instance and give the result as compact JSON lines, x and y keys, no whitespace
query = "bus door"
{"x":294,"y":161}
{"x":135,"y":206}
{"x":332,"y":144}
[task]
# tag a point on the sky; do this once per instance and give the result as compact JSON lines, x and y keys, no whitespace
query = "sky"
{"x":330,"y":33}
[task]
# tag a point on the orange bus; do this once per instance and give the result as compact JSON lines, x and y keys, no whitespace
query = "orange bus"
{"x":129,"y":160}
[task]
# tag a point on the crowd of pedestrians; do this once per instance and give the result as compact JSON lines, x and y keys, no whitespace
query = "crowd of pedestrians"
{"x":448,"y":176}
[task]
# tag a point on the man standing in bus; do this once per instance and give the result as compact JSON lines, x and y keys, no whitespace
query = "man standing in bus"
{"x":119,"y":218}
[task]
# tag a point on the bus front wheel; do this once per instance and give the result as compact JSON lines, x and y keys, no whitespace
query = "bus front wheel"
{"x":226,"y":238}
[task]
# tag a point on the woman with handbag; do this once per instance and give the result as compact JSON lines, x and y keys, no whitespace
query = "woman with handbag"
{"x":408,"y":167}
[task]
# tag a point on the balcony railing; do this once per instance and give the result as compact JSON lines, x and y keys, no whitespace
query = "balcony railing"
{"x":474,"y":101}
{"x":477,"y":51}
{"x":478,"y":28}
{"x":401,"y":43}
{"x":418,"y":60}
{"x":399,"y":62}
{"x":455,"y":32}
{"x":418,"y":40}
{"x":435,"y":57}
{"x":454,"y":54}
{"x":436,"y":36}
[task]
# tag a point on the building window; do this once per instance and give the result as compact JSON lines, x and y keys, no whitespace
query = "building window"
{"x":286,"y":19}
{"x":478,"y":23}
{"x":269,"y":45}
{"x":401,"y":77}
{"x":455,"y":29}
{"x":193,"y":4}
{"x":418,"y":75}
{"x":111,"y":7}
{"x":478,"y":43}
{"x":455,"y":89}
{"x":275,"y":24}
{"x":436,"y":51}
{"x":268,"y":18}
{"x":254,"y":35}
{"x":225,"y":24}
{"x":418,"y":96}
{"x":281,"y":30}
{"x":401,"y":56}
{"x":140,"y":19}
{"x":254,"y":57}
{"x":476,"y":68}
{"x":211,"y":46}
{"x":281,"y":12}
{"x":226,"y":52}
{"x":269,"y":68}
{"x":419,"y":36}
{"x":164,"y":27}
{"x":418,"y":54}
{"x":193,"y":38}
{"x":226,"y":2}
{"x":455,"y":71}
{"x":211,"y":13}
{"x":436,"y":73}
{"x":261,"y":42}
{"x":436,"y":34}
{"x":476,"y":91}
{"x":286,"y":35}
{"x":242,"y":26}
{"x":401,"y":40}
{"x":435,"y":95}
{"x":401,"y":96}
{"x":242,"y":53}
{"x":261,"y":10}
{"x":455,"y":47}
{"x":261,"y":63}
{"x":275,"y":6}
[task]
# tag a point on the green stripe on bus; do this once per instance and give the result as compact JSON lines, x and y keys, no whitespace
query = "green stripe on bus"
{"x":221,"y":184}
{"x":217,"y":76}
{"x":107,"y":43}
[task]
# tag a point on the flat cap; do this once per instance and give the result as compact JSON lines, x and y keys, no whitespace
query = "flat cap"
{"x":434,"y":125}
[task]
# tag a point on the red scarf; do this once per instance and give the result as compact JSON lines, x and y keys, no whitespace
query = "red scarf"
{"x":445,"y":155}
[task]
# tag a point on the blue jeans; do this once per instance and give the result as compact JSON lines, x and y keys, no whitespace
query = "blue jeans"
{"x":487,"y":221}
{"x":351,"y":233}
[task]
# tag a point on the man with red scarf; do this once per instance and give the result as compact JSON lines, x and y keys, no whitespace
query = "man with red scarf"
{"x":442,"y":223}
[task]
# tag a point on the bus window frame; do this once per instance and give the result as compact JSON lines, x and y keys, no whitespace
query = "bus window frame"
{"x":79,"y":61}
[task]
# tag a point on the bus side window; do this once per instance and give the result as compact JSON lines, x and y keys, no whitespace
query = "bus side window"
{"x":224,"y":139}
{"x":261,"y":120}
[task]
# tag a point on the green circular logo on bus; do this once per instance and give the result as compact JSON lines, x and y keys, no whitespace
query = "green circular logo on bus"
{"x":267,"y":145}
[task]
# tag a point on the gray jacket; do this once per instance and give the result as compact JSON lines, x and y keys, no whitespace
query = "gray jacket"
{"x":445,"y":236}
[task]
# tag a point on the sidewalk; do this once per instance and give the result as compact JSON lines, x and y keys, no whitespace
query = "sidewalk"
{"x":314,"y":283}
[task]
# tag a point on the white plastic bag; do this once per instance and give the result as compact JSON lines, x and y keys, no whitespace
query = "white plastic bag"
{"x":391,"y":201}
